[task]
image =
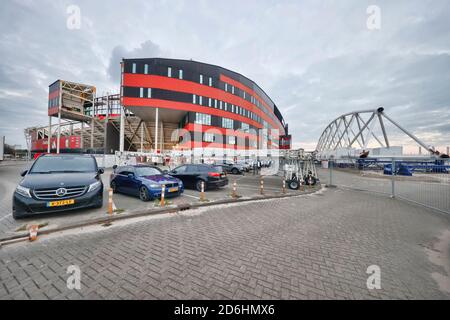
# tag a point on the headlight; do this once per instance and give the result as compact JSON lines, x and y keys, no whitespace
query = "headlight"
{"x":154,"y":185}
{"x":94,"y":186}
{"x":23,"y":191}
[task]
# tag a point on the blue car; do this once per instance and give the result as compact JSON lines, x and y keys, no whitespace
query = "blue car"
{"x":145,"y":182}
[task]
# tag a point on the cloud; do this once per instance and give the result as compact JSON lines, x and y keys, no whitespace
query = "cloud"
{"x":148,"y":49}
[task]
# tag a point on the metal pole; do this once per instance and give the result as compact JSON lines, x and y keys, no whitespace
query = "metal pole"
{"x":92,"y":132}
{"x":142,"y":137}
{"x":122,"y":130}
{"x":393,"y":179}
{"x":156,"y":129}
{"x":59,"y":131}
{"x":49,"y":134}
{"x":330,"y":167}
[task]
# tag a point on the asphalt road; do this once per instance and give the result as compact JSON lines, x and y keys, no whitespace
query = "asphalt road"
{"x":308,"y":247}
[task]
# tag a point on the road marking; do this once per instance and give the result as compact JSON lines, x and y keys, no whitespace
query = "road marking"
{"x":6,"y":216}
{"x":188,"y":195}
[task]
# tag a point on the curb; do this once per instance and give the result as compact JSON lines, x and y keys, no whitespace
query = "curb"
{"x":147,"y":212}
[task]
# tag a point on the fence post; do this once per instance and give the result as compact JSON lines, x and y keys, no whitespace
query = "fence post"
{"x":262,"y":186}
{"x":330,"y":168}
{"x":284,"y":186}
{"x":233,"y":193}
{"x":393,"y":179}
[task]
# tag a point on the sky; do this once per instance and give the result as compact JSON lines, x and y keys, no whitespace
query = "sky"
{"x":315,"y":59}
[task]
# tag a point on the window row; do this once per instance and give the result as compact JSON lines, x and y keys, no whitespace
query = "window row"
{"x":206,"y":80}
{"x":222,"y":105}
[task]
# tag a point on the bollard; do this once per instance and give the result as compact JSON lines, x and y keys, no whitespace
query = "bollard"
{"x":202,"y":191}
{"x":33,"y":232}
{"x":301,"y":185}
{"x":284,"y":186}
{"x":110,"y":201}
{"x":310,"y":182}
{"x":262,"y":186}
{"x":233,"y":193}
{"x":163,"y":190}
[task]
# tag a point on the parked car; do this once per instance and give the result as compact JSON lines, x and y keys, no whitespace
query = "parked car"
{"x":57,"y":183}
{"x":145,"y":182}
{"x":192,"y":176}
{"x":230,"y":167}
{"x":245,"y":164}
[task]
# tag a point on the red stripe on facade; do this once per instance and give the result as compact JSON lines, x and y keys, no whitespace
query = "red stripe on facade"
{"x":202,"y":144}
{"x":250,"y":91}
{"x":173,"y":84}
{"x":166,"y":104}
{"x":193,"y":127}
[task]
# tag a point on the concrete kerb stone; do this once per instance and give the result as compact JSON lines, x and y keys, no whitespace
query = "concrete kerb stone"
{"x":148,"y":212}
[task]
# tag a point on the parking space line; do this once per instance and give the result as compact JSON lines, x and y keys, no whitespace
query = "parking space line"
{"x":188,"y":195}
{"x":6,"y":216}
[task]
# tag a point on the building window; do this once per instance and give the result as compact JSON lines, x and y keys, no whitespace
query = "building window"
{"x":141,"y":92}
{"x":169,"y":72}
{"x":232,"y":108}
{"x":200,"y":100}
{"x":180,"y":74}
{"x":232,"y":89}
{"x":231,"y":140}
{"x":245,"y":127}
{"x":210,"y":81}
{"x":243,"y":93}
{"x":201,"y":79}
{"x":208,"y":137}
{"x":209,"y":102}
{"x":227,"y":123}
{"x":226,"y":86}
{"x":149,"y":92}
{"x":237,"y":109}
{"x":201,"y":118}
{"x":226,"y":106}
{"x":194,"y":99}
{"x":220,"y":104}
{"x":215,"y":103}
{"x":133,"y":68}
{"x":146,"y":69}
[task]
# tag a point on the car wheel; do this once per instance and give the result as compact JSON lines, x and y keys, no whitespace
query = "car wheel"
{"x":234,"y":171}
{"x":114,"y":187}
{"x":143,"y":194}
{"x":198,"y":185}
{"x":293,"y":184}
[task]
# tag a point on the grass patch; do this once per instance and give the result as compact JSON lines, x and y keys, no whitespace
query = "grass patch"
{"x":119,"y":211}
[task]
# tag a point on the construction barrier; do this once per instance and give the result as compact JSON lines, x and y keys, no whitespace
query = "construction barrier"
{"x":33,"y":232}
{"x":202,"y":191}
{"x":110,"y":201}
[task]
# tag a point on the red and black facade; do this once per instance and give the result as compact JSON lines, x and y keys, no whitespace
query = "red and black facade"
{"x":192,"y":93}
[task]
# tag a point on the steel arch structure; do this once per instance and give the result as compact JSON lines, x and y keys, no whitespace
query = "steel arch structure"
{"x":350,"y":130}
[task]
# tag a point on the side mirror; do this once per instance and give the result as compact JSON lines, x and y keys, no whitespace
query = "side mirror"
{"x":114,"y":167}
{"x":130,"y":175}
{"x":173,"y":171}
{"x":24,"y":173}
{"x":165,"y":171}
{"x":101,"y":171}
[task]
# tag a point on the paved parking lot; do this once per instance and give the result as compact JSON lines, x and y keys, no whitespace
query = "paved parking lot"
{"x":247,"y":186}
{"x":309,"y":247}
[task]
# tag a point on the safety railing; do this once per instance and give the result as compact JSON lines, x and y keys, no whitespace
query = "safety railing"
{"x":424,"y":182}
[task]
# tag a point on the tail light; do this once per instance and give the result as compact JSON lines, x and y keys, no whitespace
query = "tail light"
{"x":213,"y":174}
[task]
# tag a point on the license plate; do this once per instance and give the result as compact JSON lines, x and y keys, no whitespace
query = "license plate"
{"x":174,"y":189}
{"x":60,"y":203}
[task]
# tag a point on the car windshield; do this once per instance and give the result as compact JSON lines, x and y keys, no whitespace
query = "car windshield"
{"x":64,"y":164}
{"x":147,"y":171}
